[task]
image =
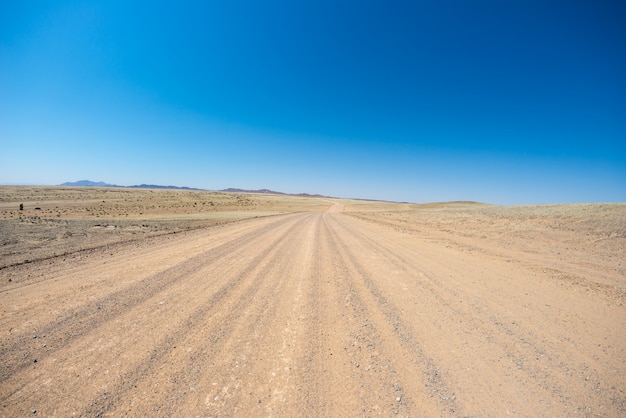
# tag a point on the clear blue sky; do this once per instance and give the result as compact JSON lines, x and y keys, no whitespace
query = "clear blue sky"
{"x":508,"y":102}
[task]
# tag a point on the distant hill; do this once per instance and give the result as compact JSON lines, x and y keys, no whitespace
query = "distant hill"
{"x":264,"y":191}
{"x":311,"y":195}
{"x":89,"y":183}
{"x":156,"y":186}
{"x":267,"y":191}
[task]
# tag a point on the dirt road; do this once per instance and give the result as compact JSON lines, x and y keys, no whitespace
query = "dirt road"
{"x":307,"y":314}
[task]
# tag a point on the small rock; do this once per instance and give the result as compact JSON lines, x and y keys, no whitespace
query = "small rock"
{"x":34,"y":411}
{"x":398,"y":398}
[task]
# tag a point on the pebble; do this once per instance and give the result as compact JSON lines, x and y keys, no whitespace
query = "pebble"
{"x":398,"y":398}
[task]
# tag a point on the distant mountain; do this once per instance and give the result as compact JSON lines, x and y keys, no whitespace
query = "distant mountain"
{"x":311,"y":195}
{"x":267,"y":191}
{"x":88,"y":183}
{"x":264,"y":191}
{"x":156,"y":186}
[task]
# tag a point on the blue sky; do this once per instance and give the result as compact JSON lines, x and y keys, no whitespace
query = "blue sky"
{"x":507,"y":102}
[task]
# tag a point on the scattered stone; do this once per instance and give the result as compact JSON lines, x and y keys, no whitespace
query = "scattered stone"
{"x":398,"y":398}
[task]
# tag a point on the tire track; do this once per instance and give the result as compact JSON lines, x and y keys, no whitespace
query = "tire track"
{"x":358,"y":364}
{"x":454,"y":316}
{"x":537,"y":366}
{"x":72,"y":324}
{"x":258,"y":369}
{"x":162,"y":346}
{"x":213,"y":333}
{"x":392,"y":342}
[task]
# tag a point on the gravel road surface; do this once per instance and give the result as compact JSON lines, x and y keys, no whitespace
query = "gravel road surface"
{"x":308,"y":314}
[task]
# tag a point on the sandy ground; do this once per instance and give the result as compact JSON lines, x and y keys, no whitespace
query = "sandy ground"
{"x":309,"y":307}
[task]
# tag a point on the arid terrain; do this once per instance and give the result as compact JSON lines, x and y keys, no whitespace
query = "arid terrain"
{"x":136,"y":302}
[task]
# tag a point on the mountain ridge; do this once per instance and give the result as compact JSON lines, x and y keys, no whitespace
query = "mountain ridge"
{"x":89,"y":183}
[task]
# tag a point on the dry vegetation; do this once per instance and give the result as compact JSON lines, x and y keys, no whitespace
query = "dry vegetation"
{"x":587,"y":238}
{"x":62,"y":220}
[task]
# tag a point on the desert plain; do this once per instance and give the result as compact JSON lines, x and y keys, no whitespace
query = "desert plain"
{"x":142,"y":302}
